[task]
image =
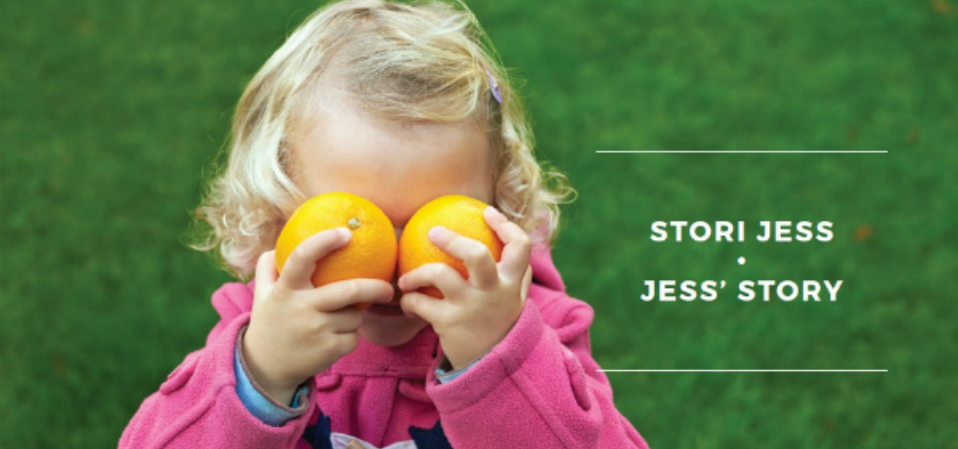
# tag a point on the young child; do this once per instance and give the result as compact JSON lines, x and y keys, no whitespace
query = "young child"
{"x":399,"y":104}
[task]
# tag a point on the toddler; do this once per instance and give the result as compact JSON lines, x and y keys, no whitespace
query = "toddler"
{"x":400,"y":104}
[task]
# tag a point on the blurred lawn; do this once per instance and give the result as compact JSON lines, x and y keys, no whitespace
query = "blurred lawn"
{"x":111,"y":111}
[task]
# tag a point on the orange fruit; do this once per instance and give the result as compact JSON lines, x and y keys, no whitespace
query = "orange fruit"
{"x":459,"y":214}
{"x":371,"y":253}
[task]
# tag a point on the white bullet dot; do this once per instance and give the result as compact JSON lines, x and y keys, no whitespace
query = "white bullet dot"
{"x":741,"y":261}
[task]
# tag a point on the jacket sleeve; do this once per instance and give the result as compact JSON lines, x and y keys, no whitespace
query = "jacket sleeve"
{"x":197,"y":406}
{"x":257,"y":401}
{"x":539,"y":387}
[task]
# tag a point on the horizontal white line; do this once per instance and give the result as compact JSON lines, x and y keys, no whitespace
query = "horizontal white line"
{"x":743,"y":370}
{"x":748,"y":151}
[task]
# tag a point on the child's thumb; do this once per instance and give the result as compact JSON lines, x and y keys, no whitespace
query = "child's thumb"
{"x":266,"y":274}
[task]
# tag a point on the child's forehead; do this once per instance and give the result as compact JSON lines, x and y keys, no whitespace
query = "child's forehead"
{"x":348,"y":135}
{"x":399,"y":166}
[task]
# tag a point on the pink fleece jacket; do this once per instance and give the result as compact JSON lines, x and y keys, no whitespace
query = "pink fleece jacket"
{"x":538,"y":388}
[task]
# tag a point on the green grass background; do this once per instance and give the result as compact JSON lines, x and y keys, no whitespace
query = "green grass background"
{"x":111,"y":111}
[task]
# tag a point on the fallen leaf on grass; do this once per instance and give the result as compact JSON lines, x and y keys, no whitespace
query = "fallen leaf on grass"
{"x":942,"y":6}
{"x":863,"y":232}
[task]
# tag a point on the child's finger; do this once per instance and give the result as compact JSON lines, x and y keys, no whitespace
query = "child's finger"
{"x":424,"y":306}
{"x":301,"y":264}
{"x":266,"y":274}
{"x":436,"y":274}
{"x":518,"y":245}
{"x":341,"y":294}
{"x":346,"y":320}
{"x":475,"y":255}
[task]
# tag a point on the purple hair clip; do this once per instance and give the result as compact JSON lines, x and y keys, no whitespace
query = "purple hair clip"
{"x":494,"y":87}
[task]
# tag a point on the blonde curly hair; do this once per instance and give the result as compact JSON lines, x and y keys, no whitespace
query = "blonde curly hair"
{"x":424,"y":61}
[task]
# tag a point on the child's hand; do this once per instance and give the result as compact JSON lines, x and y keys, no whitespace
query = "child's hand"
{"x":477,"y":313}
{"x":297,"y":330}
